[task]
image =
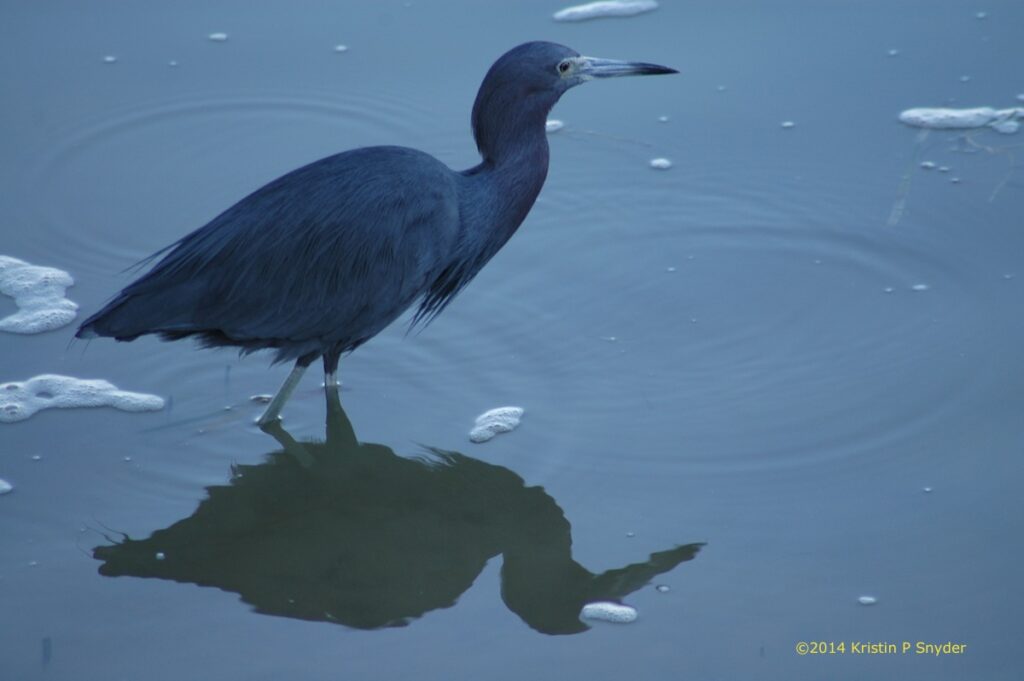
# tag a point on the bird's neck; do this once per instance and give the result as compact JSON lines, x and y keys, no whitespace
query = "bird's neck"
{"x":510,"y":134}
{"x":508,"y":183}
{"x":518,"y":171}
{"x":508,"y":125}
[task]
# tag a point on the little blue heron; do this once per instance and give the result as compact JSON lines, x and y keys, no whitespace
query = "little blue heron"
{"x":320,"y":260}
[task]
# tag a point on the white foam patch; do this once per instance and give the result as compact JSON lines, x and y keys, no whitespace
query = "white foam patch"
{"x":218,"y":37}
{"x":553,"y":125}
{"x":660,"y":163}
{"x":5,"y":486}
{"x":610,"y":8}
{"x":495,"y":421}
{"x":39,"y":294}
{"x":21,"y":399}
{"x":609,"y":612}
{"x":1000,"y":120}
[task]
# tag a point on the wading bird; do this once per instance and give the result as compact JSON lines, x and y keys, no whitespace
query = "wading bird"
{"x":320,"y":260}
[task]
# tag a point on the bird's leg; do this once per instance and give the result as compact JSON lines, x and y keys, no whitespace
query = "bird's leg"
{"x":331,"y":392}
{"x":273,"y":409}
{"x":340,"y":434}
{"x":331,"y":381}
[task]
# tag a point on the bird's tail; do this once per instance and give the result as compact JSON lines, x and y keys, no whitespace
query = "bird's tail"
{"x":110,"y":322}
{"x":143,"y":309}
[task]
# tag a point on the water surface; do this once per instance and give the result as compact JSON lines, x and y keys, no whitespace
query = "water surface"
{"x":764,"y":353}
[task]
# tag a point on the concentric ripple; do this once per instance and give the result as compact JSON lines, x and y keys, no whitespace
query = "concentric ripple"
{"x":689,"y":322}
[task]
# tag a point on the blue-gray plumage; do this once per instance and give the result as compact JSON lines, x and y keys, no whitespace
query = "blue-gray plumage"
{"x":320,"y":260}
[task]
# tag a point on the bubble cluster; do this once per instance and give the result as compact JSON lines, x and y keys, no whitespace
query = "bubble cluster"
{"x":495,"y":421}
{"x":553,"y":125}
{"x":1000,"y":120}
{"x":21,"y":399}
{"x":5,"y":487}
{"x":609,"y":612}
{"x":609,"y":8}
{"x":660,"y":163}
{"x":39,"y":294}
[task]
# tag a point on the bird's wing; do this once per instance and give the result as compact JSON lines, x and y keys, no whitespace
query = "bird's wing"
{"x":332,"y":252}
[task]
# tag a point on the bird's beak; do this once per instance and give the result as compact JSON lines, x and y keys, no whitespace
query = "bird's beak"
{"x":595,"y":67}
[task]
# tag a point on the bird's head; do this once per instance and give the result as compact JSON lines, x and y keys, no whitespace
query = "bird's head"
{"x":522,"y":86}
{"x":538,"y":67}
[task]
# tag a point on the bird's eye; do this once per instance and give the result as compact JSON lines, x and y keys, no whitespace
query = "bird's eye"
{"x":563,"y":67}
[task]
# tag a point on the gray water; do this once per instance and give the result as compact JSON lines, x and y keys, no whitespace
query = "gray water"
{"x":728,"y":356}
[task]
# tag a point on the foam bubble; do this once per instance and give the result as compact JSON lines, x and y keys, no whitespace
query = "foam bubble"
{"x":490,"y":423}
{"x":788,"y":124}
{"x":610,"y":8}
{"x":21,"y":399}
{"x":867,"y":600}
{"x":660,"y":163}
{"x":609,"y":612}
{"x":553,"y":125}
{"x":341,"y":48}
{"x":1001,"y":120}
{"x":109,"y":59}
{"x":218,"y":37}
{"x":39,"y":294}
{"x":5,"y":487}
{"x":1007,"y":126}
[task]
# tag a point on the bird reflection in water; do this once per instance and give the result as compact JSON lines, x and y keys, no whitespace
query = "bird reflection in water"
{"x":351,"y":533}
